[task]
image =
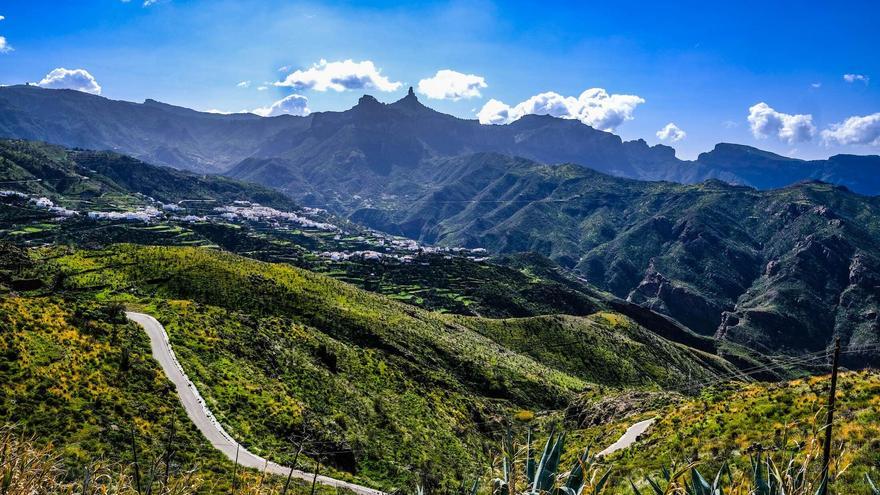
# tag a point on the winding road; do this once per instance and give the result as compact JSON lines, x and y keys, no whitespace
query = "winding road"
{"x":628,"y":438}
{"x":205,"y":421}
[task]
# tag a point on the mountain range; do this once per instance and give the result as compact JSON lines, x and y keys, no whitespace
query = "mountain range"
{"x":372,"y":139}
{"x":781,"y":268}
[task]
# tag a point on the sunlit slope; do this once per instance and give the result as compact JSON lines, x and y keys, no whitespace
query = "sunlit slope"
{"x":378,"y":385}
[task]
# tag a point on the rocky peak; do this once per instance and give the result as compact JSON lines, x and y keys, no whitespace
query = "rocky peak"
{"x":410,"y":103}
{"x":367,"y":100}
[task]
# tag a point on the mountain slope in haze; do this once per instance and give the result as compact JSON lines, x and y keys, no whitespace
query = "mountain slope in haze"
{"x":71,"y":176}
{"x":364,"y":151}
{"x":151,"y":131}
{"x":783,"y":269}
{"x":327,"y":156}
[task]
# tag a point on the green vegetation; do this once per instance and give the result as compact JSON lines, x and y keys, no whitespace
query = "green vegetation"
{"x":29,"y":467}
{"x":359,"y":363}
{"x":732,"y":424}
{"x":516,"y":286}
{"x":380,"y":390}
{"x":78,"y":380}
{"x":110,"y":181}
{"x":778,"y":271}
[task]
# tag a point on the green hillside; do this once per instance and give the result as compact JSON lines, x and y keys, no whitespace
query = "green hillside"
{"x":79,"y":380}
{"x":385,"y":388}
{"x":778,"y":270}
{"x":733,"y":423}
{"x":189,"y":210}
{"x":105,"y":180}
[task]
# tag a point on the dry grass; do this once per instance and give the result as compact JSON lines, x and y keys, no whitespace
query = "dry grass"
{"x":27,"y":468}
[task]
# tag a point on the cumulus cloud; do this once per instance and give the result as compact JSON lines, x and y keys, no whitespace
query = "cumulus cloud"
{"x":854,"y":130}
{"x":244,"y":84}
{"x":851,"y":78}
{"x":766,"y":122}
{"x":4,"y":45}
{"x":339,"y":76}
{"x":78,"y":79}
{"x":671,"y":133}
{"x":594,"y":107}
{"x":289,"y":105}
{"x":452,"y":85}
{"x":496,"y":112}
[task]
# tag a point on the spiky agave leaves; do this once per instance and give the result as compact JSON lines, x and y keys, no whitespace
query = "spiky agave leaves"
{"x":577,"y":480}
{"x":531,"y":466}
{"x":768,"y":479}
{"x":871,"y":485}
{"x":543,"y":475}
{"x":505,"y":484}
{"x":671,"y":476}
{"x":700,"y":486}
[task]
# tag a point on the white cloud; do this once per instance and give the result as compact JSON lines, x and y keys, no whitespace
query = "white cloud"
{"x":851,"y":78}
{"x":244,"y":84}
{"x":766,"y":122}
{"x":339,"y":76}
{"x":452,"y":85}
{"x":495,"y":112}
{"x":4,"y":45}
{"x":854,"y":130}
{"x":147,"y":3}
{"x":262,"y":88}
{"x":594,"y":107}
{"x":289,"y":105}
{"x":284,"y":68}
{"x":816,"y":85}
{"x":78,"y":79}
{"x":671,"y":133}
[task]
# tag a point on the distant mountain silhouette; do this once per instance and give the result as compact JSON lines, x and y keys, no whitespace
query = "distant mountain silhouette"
{"x":369,"y":142}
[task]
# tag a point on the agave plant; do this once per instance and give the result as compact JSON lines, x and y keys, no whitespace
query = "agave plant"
{"x":765,"y":477}
{"x":505,"y":484}
{"x":543,"y":476}
{"x":672,"y":482}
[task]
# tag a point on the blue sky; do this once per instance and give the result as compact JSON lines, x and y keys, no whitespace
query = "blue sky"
{"x":697,"y":65}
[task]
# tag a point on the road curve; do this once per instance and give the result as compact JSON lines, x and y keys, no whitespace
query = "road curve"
{"x":205,"y":421}
{"x":628,"y":438}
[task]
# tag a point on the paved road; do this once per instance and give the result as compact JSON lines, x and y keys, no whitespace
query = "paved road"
{"x":628,"y":438}
{"x":206,"y":422}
